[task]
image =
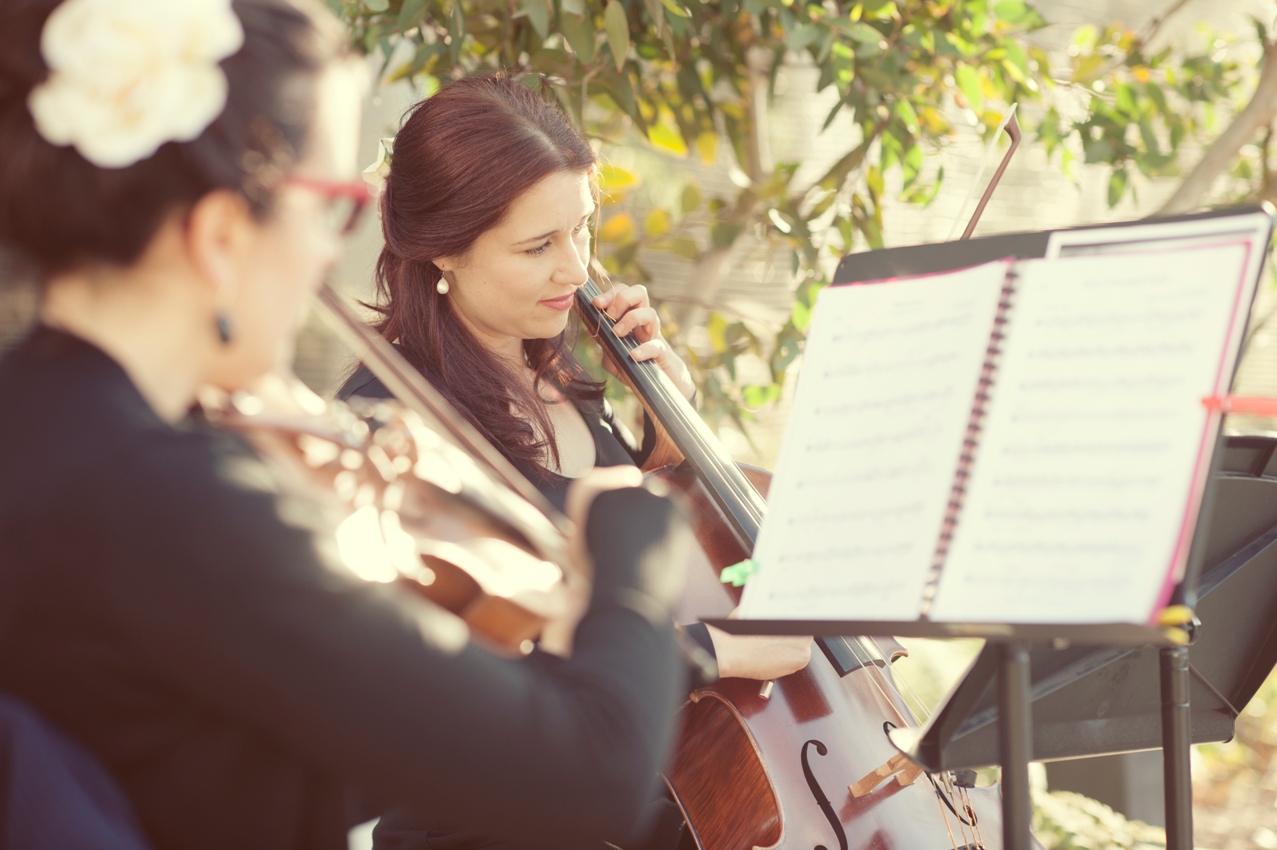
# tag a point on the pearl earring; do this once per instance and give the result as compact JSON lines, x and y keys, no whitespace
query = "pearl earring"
{"x":442,"y":286}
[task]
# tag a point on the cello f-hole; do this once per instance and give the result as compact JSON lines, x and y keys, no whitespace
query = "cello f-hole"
{"x":819,"y":794}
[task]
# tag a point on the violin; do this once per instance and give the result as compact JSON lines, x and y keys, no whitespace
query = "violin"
{"x":419,"y":497}
{"x":804,"y":762}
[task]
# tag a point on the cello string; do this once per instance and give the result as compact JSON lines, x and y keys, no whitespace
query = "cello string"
{"x":944,"y":814}
{"x":678,"y":412}
{"x":676,"y":408}
{"x":922,"y":706}
{"x":953,"y":795}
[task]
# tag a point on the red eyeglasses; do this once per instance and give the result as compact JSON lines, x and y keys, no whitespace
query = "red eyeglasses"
{"x":346,"y":200}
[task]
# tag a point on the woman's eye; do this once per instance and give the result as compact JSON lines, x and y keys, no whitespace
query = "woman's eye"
{"x":538,"y":250}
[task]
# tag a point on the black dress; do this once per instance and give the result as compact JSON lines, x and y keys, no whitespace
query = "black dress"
{"x":161,"y":603}
{"x":614,"y":445}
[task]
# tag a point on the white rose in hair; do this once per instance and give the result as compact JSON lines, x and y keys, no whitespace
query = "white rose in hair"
{"x":129,"y":75}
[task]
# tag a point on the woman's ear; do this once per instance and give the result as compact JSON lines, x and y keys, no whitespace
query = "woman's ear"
{"x":445,"y":264}
{"x":219,"y":234}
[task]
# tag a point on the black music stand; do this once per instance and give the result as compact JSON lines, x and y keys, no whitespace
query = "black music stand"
{"x":1062,"y":697}
{"x":1087,"y":702}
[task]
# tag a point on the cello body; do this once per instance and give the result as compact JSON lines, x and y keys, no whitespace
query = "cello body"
{"x":756,"y":769}
{"x":773,"y":772}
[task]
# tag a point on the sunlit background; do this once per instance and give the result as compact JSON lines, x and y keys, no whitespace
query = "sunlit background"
{"x":1235,"y":784}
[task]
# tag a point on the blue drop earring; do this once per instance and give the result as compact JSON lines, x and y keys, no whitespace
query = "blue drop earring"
{"x":225,"y":331}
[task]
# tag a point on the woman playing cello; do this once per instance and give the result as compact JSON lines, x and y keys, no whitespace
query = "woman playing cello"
{"x":486,"y":215}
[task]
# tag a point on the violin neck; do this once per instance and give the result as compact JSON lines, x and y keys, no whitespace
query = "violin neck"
{"x":674,"y":414}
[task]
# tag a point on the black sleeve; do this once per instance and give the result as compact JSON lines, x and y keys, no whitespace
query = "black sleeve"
{"x":222,"y":590}
{"x":639,"y":452}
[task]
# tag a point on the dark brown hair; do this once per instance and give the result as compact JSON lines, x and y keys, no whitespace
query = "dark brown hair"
{"x":460,"y":160}
{"x":58,"y":211}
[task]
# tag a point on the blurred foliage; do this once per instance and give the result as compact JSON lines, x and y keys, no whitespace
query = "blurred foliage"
{"x":1143,"y":107}
{"x":693,"y":79}
{"x":1235,"y":783}
{"x":685,"y":75}
{"x":1063,"y":820}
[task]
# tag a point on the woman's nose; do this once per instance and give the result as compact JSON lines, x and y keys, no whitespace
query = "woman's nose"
{"x":572,"y":268}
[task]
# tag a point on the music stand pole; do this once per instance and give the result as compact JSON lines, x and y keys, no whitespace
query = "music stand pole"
{"x":1177,"y":774}
{"x":1015,"y":742}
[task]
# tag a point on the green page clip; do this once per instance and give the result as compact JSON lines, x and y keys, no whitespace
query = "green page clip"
{"x":737,"y":574}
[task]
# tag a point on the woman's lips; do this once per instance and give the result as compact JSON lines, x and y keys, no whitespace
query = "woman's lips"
{"x":562,"y":303}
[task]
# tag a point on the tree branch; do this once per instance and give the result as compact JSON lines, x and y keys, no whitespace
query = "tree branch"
{"x":1258,"y":113}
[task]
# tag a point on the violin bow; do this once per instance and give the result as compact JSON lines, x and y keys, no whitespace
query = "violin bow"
{"x":416,"y":393}
{"x":1012,"y":126}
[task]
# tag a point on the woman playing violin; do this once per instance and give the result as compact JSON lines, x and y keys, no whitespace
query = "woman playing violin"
{"x":177,"y":176}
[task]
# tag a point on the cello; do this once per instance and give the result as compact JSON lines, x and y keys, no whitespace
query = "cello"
{"x":805,"y":762}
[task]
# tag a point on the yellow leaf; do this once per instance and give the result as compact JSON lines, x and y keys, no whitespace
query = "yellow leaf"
{"x":707,"y":146}
{"x":619,"y":228}
{"x":613,"y":178}
{"x":658,"y":223}
{"x":666,"y":138}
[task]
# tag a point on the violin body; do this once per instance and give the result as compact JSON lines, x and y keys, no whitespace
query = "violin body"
{"x":753,"y":772}
{"x":409,"y":508}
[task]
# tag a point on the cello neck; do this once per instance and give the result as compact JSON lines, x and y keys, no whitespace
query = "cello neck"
{"x":740,"y":503}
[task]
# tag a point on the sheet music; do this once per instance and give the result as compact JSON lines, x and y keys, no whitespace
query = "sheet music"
{"x":865,"y":470}
{"x":1096,"y":440}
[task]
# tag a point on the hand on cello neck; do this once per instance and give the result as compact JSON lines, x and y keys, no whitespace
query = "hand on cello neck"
{"x":761,"y":657}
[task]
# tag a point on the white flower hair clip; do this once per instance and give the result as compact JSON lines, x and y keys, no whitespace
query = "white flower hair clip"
{"x":375,"y":175}
{"x":129,"y":75}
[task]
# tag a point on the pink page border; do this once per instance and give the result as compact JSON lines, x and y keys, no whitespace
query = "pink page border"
{"x":1210,"y":433}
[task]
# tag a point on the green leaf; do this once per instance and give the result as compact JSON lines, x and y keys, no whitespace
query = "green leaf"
{"x":691,"y":200}
{"x":874,"y":180}
{"x":803,"y":35}
{"x":1117,"y":186}
{"x":904,"y":111}
{"x":579,"y":32}
{"x":757,"y":396}
{"x":724,"y":233}
{"x":800,"y":315}
{"x":686,"y":248}
{"x":676,"y":9}
{"x":969,"y":84}
{"x":617,"y":27}
{"x":538,"y":14}
{"x":411,"y":13}
{"x":572,"y":7}
{"x":376,"y":5}
{"x":865,"y":34}
{"x":1013,"y":11}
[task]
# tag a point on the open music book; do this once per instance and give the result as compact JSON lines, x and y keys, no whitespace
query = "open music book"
{"x":1018,"y":442}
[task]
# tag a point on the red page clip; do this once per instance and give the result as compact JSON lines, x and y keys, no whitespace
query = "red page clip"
{"x":1253,"y":405}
